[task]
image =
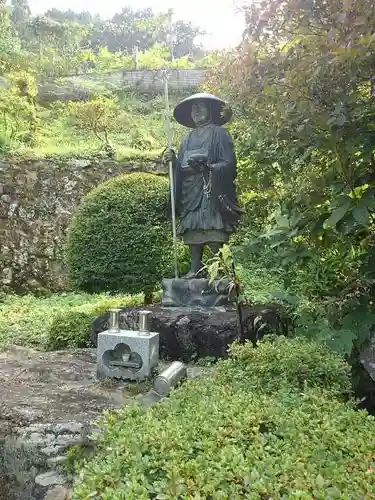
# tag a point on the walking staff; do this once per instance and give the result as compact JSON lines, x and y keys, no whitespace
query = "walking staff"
{"x":170,"y":165}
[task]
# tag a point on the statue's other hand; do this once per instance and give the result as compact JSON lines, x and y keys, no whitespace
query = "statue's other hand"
{"x":198,"y":164}
{"x":198,"y":159}
{"x":169,"y":155}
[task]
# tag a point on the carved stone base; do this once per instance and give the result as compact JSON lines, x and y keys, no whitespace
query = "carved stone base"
{"x":194,"y":293}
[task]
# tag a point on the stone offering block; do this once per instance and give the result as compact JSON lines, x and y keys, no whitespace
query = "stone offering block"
{"x":127,"y":354}
{"x":195,"y":292}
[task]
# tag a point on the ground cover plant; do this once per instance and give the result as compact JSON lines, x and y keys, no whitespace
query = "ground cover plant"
{"x":272,"y":422}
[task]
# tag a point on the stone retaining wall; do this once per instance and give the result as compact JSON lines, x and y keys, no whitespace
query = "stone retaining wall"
{"x":37,"y":200}
{"x":77,"y":88}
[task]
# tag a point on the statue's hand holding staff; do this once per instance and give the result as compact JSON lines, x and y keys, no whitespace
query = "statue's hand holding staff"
{"x":169,"y":155}
{"x":197,"y":166}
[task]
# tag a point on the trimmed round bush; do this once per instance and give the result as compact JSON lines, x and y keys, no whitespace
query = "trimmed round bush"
{"x":120,"y":240}
{"x":219,"y":439}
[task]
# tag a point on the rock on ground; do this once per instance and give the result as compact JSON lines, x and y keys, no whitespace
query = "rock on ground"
{"x":49,"y":402}
{"x":367,"y":357}
{"x":58,"y":493}
{"x":186,"y":333}
{"x":365,"y":374}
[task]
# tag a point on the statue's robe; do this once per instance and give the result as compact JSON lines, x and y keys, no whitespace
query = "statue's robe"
{"x":206,"y":202}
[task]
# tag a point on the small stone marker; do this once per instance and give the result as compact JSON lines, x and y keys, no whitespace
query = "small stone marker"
{"x":50,"y":478}
{"x":127,"y":354}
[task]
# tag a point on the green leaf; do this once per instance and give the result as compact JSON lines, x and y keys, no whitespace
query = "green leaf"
{"x":359,"y":191}
{"x":282,"y":221}
{"x":277,"y":243}
{"x":273,"y":232}
{"x":339,"y":120}
{"x":342,"y":340}
{"x":361,"y":215}
{"x":319,"y":481}
{"x":336,"y":216}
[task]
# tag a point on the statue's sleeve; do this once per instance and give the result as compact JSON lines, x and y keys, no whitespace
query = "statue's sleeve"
{"x":180,"y":154}
{"x":181,"y":151}
{"x":223,"y":169}
{"x":224,"y":161}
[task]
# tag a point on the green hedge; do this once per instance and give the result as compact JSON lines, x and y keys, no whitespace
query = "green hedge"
{"x":119,"y":240}
{"x":70,"y":330}
{"x":221,"y":438}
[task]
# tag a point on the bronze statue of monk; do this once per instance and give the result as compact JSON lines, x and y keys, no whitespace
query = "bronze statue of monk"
{"x":204,"y":176}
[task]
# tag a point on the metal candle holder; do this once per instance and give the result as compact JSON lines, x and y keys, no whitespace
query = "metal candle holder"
{"x":114,"y":320}
{"x":170,"y":378}
{"x":145,"y":318}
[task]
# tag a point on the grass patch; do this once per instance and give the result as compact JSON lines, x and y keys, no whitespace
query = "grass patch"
{"x":139,"y":132}
{"x":56,"y":322}
{"x":259,"y":283}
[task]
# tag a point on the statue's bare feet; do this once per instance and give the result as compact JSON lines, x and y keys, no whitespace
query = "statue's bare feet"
{"x":194,"y":274}
{"x":190,"y":275}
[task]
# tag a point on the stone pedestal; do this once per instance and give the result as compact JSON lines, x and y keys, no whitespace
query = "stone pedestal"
{"x":195,"y":293}
{"x":186,"y":333}
{"x":127,"y":354}
{"x":190,"y":333}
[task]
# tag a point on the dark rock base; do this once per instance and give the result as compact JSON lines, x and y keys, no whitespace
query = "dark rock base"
{"x":186,"y":333}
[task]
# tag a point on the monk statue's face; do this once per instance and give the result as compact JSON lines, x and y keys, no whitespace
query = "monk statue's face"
{"x":200,"y":113}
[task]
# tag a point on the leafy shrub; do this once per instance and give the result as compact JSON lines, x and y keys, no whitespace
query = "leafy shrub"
{"x":98,"y":116}
{"x":321,"y":291}
{"x":154,"y":58}
{"x":69,"y":330}
{"x":18,"y":117}
{"x":285,"y":363}
{"x":220,"y":440}
{"x":119,"y":240}
{"x":259,"y":284}
{"x":305,"y":171}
